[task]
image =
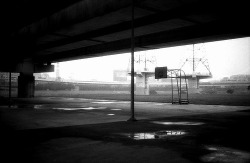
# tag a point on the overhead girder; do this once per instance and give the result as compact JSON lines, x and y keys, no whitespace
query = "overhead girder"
{"x":228,"y":19}
{"x":179,"y":12}
{"x":181,"y":36}
{"x":20,"y":13}
{"x":73,"y":14}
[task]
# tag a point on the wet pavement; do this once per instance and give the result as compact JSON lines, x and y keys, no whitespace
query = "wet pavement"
{"x":155,"y":135}
{"x":87,"y":130}
{"x":225,"y":155}
{"x":92,"y":111}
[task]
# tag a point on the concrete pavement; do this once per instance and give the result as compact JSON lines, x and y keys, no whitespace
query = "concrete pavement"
{"x":86,"y":130}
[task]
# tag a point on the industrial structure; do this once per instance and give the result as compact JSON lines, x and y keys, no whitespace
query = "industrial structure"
{"x":197,"y":59}
{"x":145,"y":64}
{"x":144,"y":69}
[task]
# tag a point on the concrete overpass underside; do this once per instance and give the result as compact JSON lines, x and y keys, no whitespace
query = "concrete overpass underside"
{"x":38,"y":33}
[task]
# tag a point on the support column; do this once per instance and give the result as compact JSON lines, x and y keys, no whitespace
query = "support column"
{"x":26,"y":83}
{"x":26,"y":80}
{"x":193,"y":85}
{"x":142,"y":86}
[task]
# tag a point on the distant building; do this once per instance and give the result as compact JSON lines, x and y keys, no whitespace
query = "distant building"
{"x":237,"y":78}
{"x":120,"y":75}
{"x":44,"y":76}
{"x":4,"y":84}
{"x":4,"y":77}
{"x":225,"y":79}
{"x":240,"y":77}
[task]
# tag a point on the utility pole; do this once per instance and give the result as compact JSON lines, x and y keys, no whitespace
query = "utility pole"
{"x":132,"y":93}
{"x":9,"y":89}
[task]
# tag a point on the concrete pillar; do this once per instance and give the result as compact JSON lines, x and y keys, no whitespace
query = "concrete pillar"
{"x":26,"y":80}
{"x":139,"y":85}
{"x":193,"y":85}
{"x":26,"y":84}
{"x":142,"y":86}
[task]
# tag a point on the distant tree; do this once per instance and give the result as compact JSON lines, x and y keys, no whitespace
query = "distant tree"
{"x":248,"y":88}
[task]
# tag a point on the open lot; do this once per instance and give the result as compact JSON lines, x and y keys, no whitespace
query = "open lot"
{"x":62,"y":129}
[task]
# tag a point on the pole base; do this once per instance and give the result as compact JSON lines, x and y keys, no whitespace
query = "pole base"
{"x":132,"y":119}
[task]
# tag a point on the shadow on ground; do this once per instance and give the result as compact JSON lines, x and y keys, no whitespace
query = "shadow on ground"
{"x":220,"y":137}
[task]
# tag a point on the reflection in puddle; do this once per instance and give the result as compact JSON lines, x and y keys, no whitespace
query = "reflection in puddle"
{"x":160,"y":104}
{"x":123,"y":102}
{"x":225,"y":155}
{"x":69,"y":98}
{"x":110,"y":102}
{"x":110,"y":114}
{"x":103,"y":102}
{"x":37,"y":106}
{"x":25,"y":106}
{"x":12,"y":106}
{"x":178,"y":123}
{"x":88,"y":108}
{"x":155,"y":135}
{"x":115,"y":109}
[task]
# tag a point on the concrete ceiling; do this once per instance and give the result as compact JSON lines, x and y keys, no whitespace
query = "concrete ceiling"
{"x":60,"y":30}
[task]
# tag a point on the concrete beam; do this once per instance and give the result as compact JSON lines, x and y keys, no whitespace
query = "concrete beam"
{"x":194,"y":34}
{"x":73,"y":14}
{"x":182,"y":11}
{"x":39,"y":68}
{"x":31,"y":68}
{"x":25,"y":12}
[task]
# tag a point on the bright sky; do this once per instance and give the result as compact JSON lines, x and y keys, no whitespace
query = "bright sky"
{"x":225,"y":58}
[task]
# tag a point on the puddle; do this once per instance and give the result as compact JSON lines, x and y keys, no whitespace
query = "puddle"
{"x":116,"y":109}
{"x":88,"y":108}
{"x":103,"y":102}
{"x":12,"y":106}
{"x":225,"y":155}
{"x":69,"y":98}
{"x":178,"y":123}
{"x":37,"y":106}
{"x":110,"y":102}
{"x":159,"y":104}
{"x":25,"y":106}
{"x":110,"y":114}
{"x":155,"y":135}
{"x":123,"y":102}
